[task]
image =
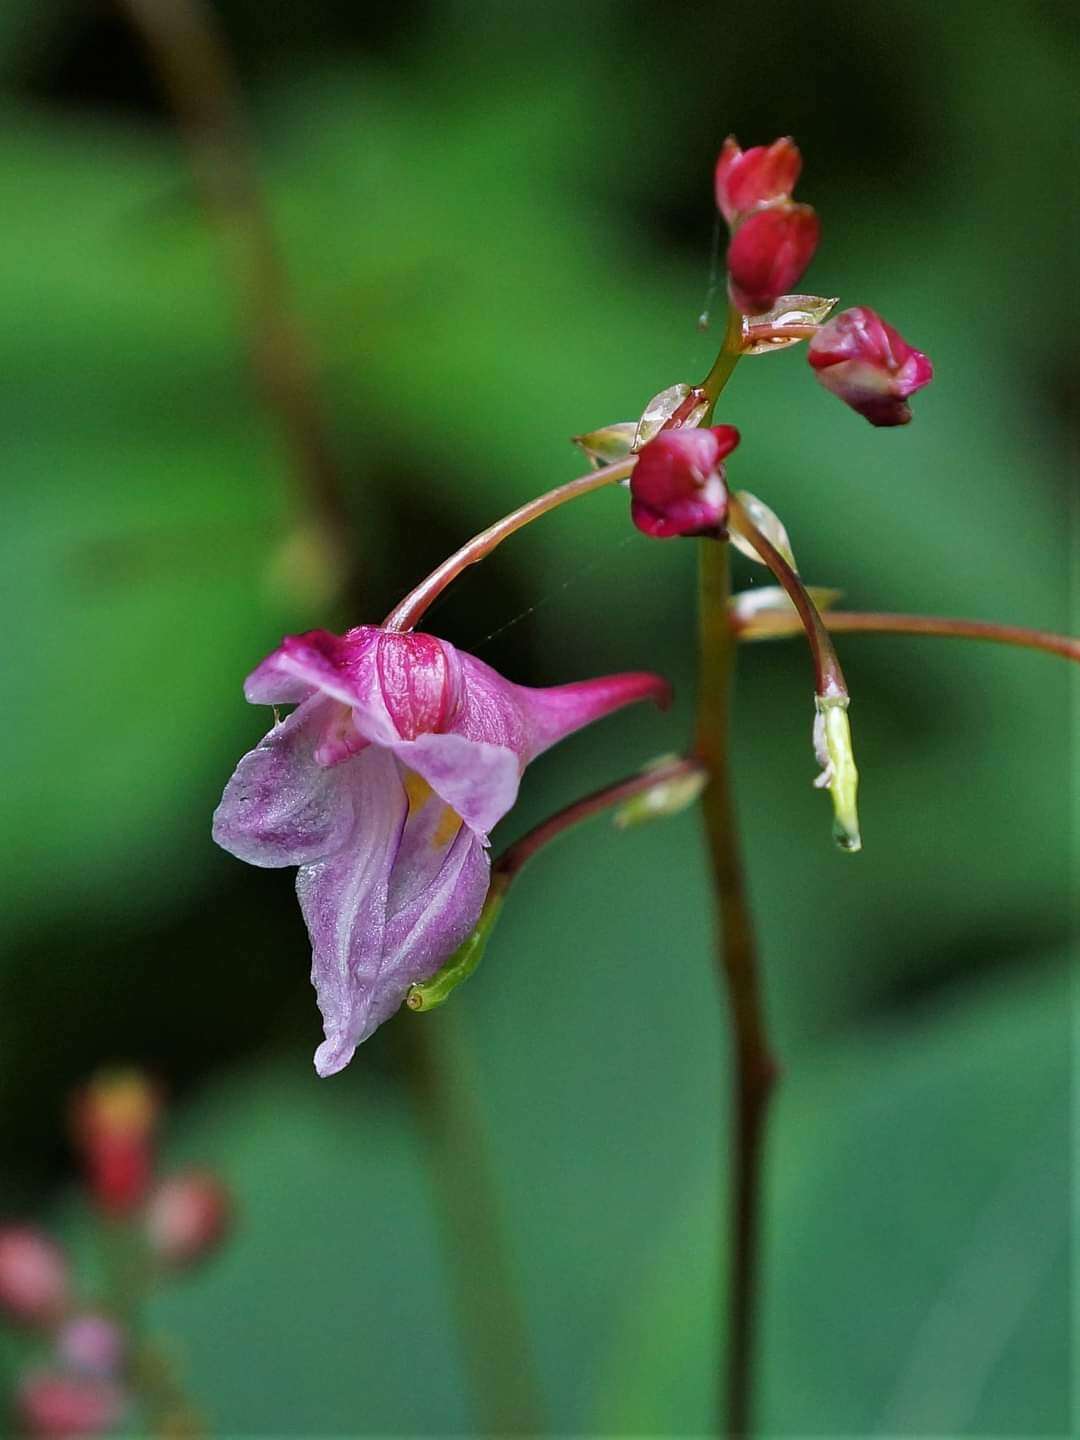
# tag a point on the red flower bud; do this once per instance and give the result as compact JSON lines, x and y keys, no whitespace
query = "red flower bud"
{"x":761,"y":175}
{"x":768,"y":253}
{"x":678,"y":485}
{"x":56,"y":1406}
{"x":33,"y":1276}
{"x":187,"y":1216}
{"x":113,"y":1123}
{"x":860,"y":357}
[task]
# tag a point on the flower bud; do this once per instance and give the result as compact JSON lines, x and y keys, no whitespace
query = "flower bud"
{"x":54,"y":1405}
{"x":91,"y":1344}
{"x":860,"y":357}
{"x":678,"y":485}
{"x":832,"y":746}
{"x":761,"y":175}
{"x":187,"y":1217}
{"x":113,"y":1123}
{"x":768,"y":253}
{"x":33,"y":1276}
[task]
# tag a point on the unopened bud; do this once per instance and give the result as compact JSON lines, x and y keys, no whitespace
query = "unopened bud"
{"x":860,"y":357}
{"x":33,"y":1276}
{"x":678,"y":485}
{"x":761,"y":175}
{"x":91,"y":1344}
{"x":187,"y":1217}
{"x":53,"y":1405}
{"x":113,"y":1124}
{"x":609,"y":444}
{"x":768,"y":254}
{"x":832,"y":745}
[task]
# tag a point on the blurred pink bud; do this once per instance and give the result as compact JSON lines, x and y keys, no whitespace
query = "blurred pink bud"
{"x":860,"y":357}
{"x":91,"y":1344}
{"x":33,"y":1276}
{"x":678,"y":485}
{"x":187,"y":1216}
{"x":53,"y":1405}
{"x":768,"y":253}
{"x":761,"y":175}
{"x":113,"y":1122}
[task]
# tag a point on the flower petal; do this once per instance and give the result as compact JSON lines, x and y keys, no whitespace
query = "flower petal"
{"x":341,"y":666}
{"x":281,"y":807}
{"x":477,"y":779}
{"x":390,"y":907}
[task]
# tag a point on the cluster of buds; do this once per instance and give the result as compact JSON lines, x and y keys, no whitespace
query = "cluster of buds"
{"x":78,"y":1377}
{"x":773,"y":239}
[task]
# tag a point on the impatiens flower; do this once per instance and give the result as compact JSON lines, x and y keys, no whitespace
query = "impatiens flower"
{"x":53,"y":1405}
{"x":768,"y":253}
{"x":761,"y":175}
{"x":33,"y":1276}
{"x":678,"y":485}
{"x":860,"y":357}
{"x":382,"y":785}
{"x":187,"y":1217}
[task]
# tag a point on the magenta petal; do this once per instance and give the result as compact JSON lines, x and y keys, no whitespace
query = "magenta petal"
{"x":389,"y":908}
{"x":343,"y":667}
{"x":281,"y":807}
{"x":477,"y":779}
{"x":559,"y":710}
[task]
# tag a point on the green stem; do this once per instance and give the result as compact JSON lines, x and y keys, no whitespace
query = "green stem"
{"x":737,"y":961}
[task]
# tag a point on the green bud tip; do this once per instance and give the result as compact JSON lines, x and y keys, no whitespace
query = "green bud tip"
{"x":832,"y":745}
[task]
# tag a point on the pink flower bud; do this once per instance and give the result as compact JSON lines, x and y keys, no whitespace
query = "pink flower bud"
{"x":54,"y":1406}
{"x":33,"y":1276}
{"x":187,"y":1216}
{"x":860,"y":357}
{"x":761,"y":175}
{"x":678,"y":485}
{"x":91,"y":1345}
{"x":768,"y":253}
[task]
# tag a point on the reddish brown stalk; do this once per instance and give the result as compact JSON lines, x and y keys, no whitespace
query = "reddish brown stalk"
{"x":408,"y":613}
{"x":851,"y":622}
{"x":754,"y":334}
{"x":828,"y":676}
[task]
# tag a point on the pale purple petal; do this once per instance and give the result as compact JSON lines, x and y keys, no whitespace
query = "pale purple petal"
{"x":281,"y":807}
{"x":390,"y":908}
{"x":478,"y":780}
{"x":341,"y":666}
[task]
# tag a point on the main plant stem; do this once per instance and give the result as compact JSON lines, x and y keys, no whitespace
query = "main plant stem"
{"x":754,"y":1068}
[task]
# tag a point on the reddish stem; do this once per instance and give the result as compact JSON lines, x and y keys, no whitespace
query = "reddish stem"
{"x":875,"y":623}
{"x":754,"y":334}
{"x":407,"y":614}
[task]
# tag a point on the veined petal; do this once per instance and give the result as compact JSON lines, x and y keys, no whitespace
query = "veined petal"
{"x":281,"y":807}
{"x":343,"y":667}
{"x":391,"y":907}
{"x":475,"y":778}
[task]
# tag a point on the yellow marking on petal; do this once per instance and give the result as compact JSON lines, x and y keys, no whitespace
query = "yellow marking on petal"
{"x":447,"y":828}
{"x":418,"y":791}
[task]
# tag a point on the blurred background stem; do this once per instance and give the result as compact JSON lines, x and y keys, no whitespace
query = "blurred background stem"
{"x":737,"y":961}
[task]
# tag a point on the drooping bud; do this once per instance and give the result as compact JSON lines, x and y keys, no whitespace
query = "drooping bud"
{"x":761,"y":175}
{"x":187,"y":1217}
{"x":832,"y":746}
{"x":609,"y":444}
{"x":55,"y":1406}
{"x":678,"y":485}
{"x":91,"y":1344}
{"x":860,"y":357}
{"x":113,"y":1123}
{"x":33,"y":1276}
{"x":768,"y":253}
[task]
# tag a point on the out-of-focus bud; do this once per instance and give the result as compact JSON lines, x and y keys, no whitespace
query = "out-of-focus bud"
{"x":832,"y":745}
{"x":91,"y":1344}
{"x":802,"y":310}
{"x":671,"y":795}
{"x":678,"y":407}
{"x":860,"y":357}
{"x":187,"y":1217}
{"x":761,"y":175}
{"x":768,"y":254}
{"x":113,"y":1124}
{"x":54,"y":1405}
{"x":606,"y":446}
{"x":33,"y":1276}
{"x":678,"y":486}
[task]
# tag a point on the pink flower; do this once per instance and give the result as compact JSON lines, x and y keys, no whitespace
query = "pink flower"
{"x":382,"y":785}
{"x":57,"y":1406}
{"x":860,"y":357}
{"x":187,"y":1217}
{"x":761,"y":175}
{"x":678,"y":485}
{"x":91,"y":1344}
{"x":33,"y":1276}
{"x":768,"y":253}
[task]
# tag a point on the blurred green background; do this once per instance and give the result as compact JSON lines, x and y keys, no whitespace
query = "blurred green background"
{"x":495,"y":220}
